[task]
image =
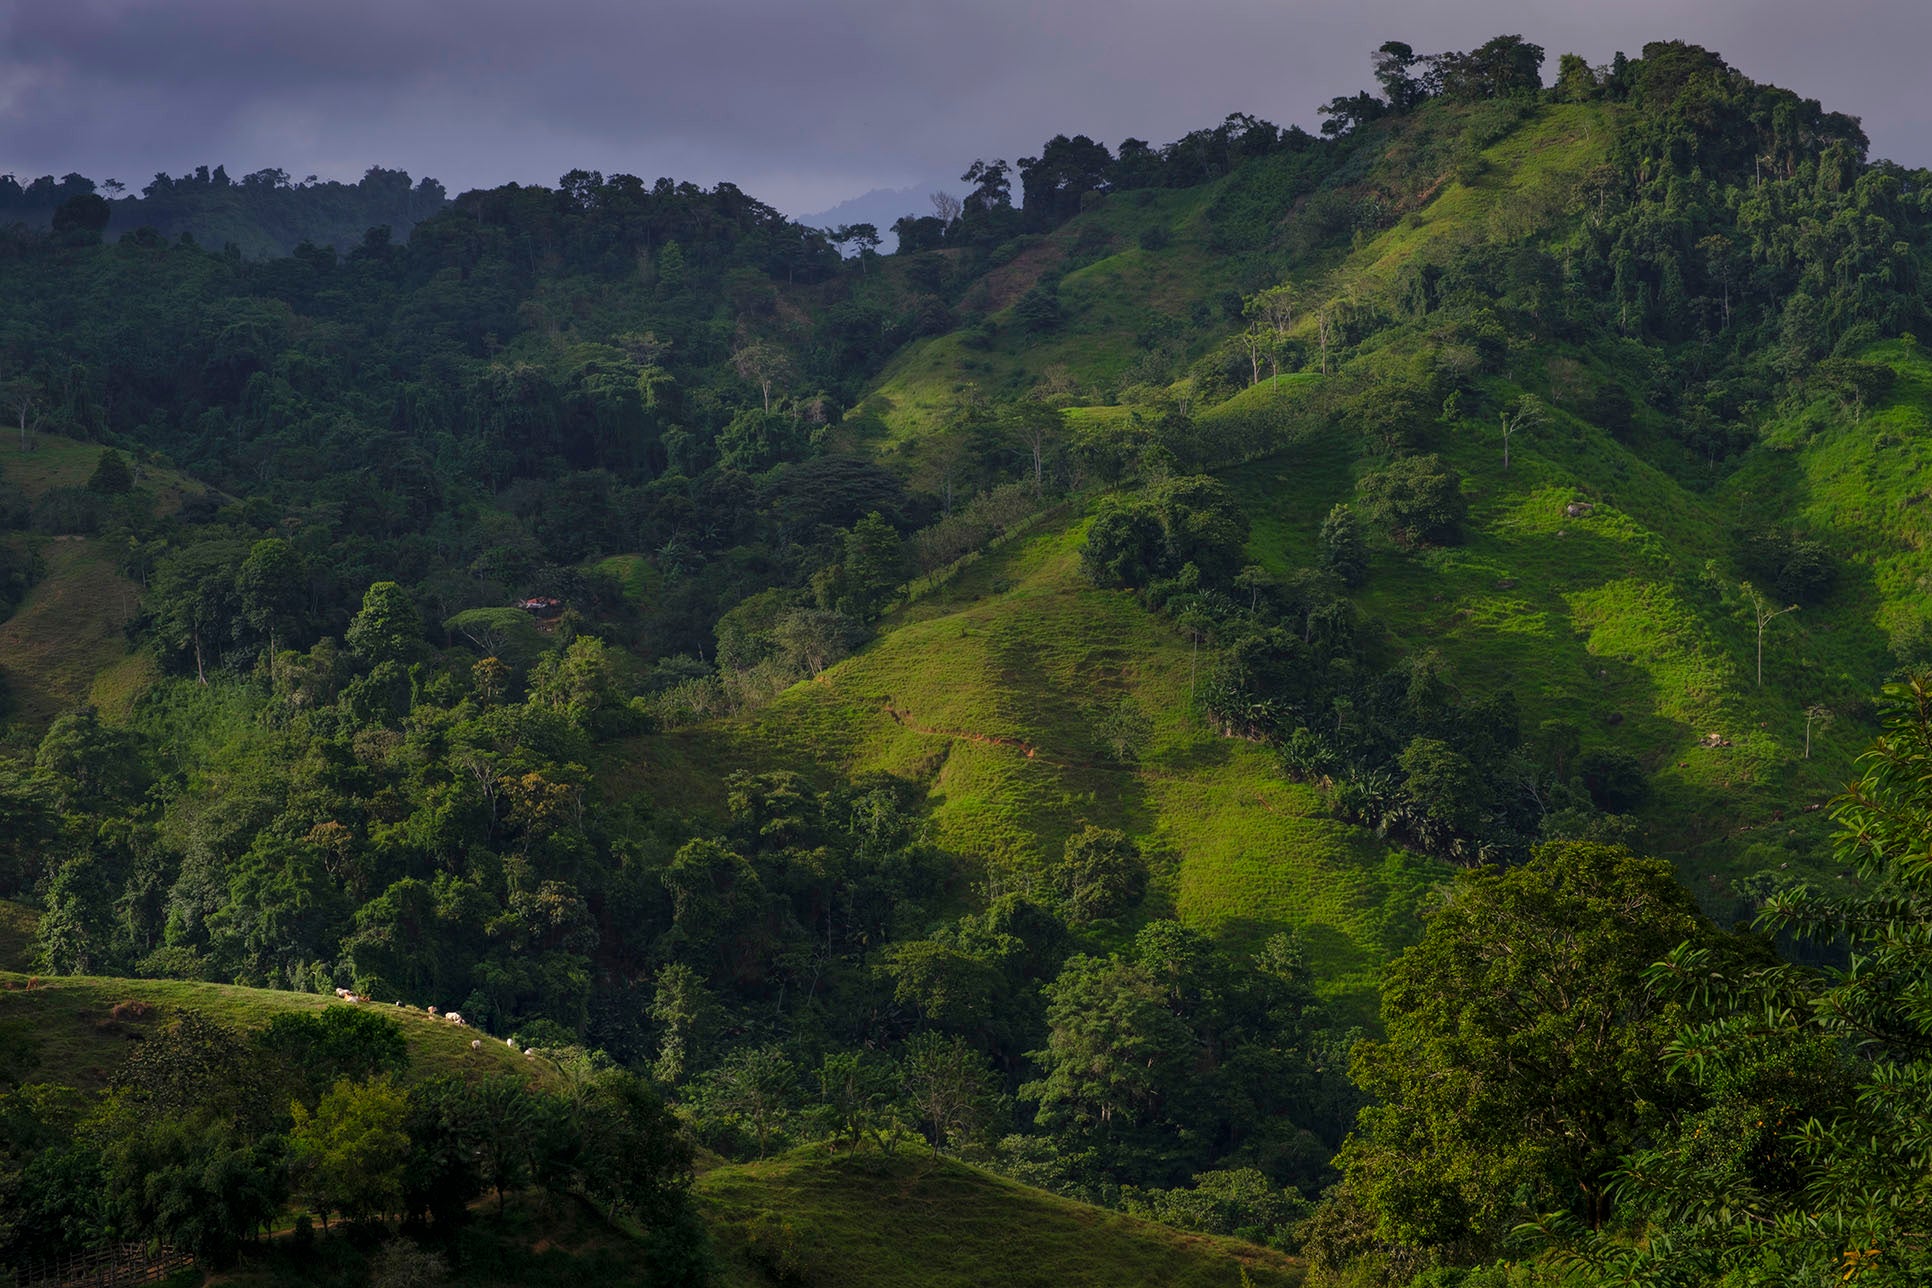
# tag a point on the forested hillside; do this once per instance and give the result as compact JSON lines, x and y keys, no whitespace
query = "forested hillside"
{"x":1297,"y":688}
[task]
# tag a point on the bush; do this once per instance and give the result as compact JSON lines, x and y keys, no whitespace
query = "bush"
{"x":1038,"y":310}
{"x":111,"y":476}
{"x":1418,"y":499}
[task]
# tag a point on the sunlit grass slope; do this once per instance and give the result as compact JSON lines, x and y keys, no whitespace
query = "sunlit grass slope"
{"x":75,"y":1035}
{"x":915,"y":1222}
{"x":991,"y":690}
{"x":1627,"y":619}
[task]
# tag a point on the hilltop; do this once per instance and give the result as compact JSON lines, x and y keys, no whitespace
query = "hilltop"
{"x":73,"y":1030}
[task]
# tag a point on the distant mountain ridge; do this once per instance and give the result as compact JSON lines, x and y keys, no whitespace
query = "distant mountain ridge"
{"x":881,"y":207}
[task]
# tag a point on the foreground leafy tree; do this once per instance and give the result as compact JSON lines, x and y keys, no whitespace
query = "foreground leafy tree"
{"x":1523,"y":1058}
{"x":1163,"y":1060}
{"x":1807,"y":1162}
{"x":349,"y":1154}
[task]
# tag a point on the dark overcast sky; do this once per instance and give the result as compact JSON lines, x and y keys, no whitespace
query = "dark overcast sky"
{"x":803,"y":102}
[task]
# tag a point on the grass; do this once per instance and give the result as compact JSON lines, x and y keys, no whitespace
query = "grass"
{"x":989,"y":691}
{"x":54,"y":461}
{"x":67,"y":643}
{"x":1625,"y":622}
{"x":69,"y":634}
{"x":915,"y":1222}
{"x":76,"y":1039}
{"x":1608,"y":621}
{"x":1107,"y":302}
{"x":634,"y":574}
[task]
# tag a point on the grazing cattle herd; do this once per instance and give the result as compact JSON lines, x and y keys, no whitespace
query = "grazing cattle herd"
{"x":452,"y":1017}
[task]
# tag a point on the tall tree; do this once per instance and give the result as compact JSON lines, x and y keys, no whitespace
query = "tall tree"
{"x":1524,"y":1054}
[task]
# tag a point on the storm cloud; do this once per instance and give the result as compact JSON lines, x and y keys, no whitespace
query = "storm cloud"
{"x":802,"y":104}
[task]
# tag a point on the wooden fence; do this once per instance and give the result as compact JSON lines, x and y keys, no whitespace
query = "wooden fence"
{"x":108,"y":1267}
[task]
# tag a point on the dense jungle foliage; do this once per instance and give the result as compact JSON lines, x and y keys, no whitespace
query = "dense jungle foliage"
{"x":447,"y":552}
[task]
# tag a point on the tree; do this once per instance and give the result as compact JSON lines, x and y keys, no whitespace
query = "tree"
{"x":858,"y":1099}
{"x":685,"y":1013}
{"x":1034,"y":428}
{"x":1528,"y":413}
{"x":1441,"y":786}
{"x":866,"y":238}
{"x":500,"y":633}
{"x":271,"y":586}
{"x":1102,"y":875}
{"x":952,"y":1088}
{"x":1254,"y":579}
{"x":1124,"y":545}
{"x":946,"y":208}
{"x":347,"y":1155}
{"x":191,"y":598}
{"x":1344,"y":550}
{"x":1507,"y":66}
{"x":1116,"y":1053}
{"x":515,"y":1127}
{"x":388,"y":627}
{"x":1801,"y":1160}
{"x":26,"y":399}
{"x":1393,"y":62}
{"x":1124,"y":729}
{"x":1855,"y":385}
{"x":1053,"y":183}
{"x":82,"y":218}
{"x":338,"y":1043}
{"x":992,"y":187}
{"x":1816,"y":714}
{"x":187,"y":1181}
{"x":88,"y":766}
{"x":630,"y":1153}
{"x":1576,"y":82}
{"x":867,"y":579}
{"x":758,"y":1085}
{"x":812,"y":639}
{"x":1270,"y":314}
{"x":764,"y":364}
{"x":1762,"y":615}
{"x":1524,"y":1054}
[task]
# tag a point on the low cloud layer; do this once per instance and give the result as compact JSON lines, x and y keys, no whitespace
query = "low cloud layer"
{"x":801,"y":104}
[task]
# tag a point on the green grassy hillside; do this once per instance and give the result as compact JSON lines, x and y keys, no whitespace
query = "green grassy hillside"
{"x":990,"y":691}
{"x":67,"y":642}
{"x":77,"y":1028}
{"x":808,"y":1219}
{"x":1625,"y":621}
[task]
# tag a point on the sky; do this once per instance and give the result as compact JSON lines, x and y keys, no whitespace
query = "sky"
{"x":804,"y":103}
